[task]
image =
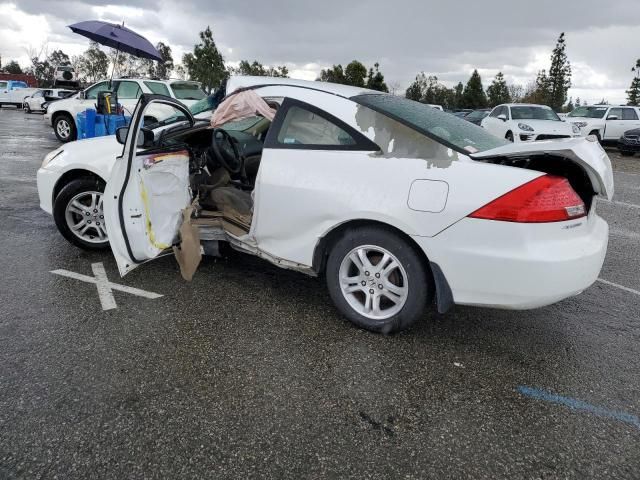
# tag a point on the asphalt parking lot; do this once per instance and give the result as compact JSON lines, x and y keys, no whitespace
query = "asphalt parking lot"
{"x":248,"y":371}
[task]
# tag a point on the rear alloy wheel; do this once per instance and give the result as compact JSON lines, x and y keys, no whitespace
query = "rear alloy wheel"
{"x":77,"y":211}
{"x":65,"y":128}
{"x":377,"y":280}
{"x":509,"y":136}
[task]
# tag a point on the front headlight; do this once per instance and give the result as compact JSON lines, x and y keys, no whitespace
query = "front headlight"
{"x":50,"y":156}
{"x":525,"y":127}
{"x":580,"y":124}
{"x":575,"y":128}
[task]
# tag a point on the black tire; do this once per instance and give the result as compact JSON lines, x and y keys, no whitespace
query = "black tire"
{"x":509,"y":136}
{"x":419,"y":282}
{"x":71,"y":125}
{"x":626,"y":153}
{"x":62,"y":200}
{"x":27,"y":108}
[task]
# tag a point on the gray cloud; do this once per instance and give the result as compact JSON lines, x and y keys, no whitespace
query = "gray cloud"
{"x":442,"y":37}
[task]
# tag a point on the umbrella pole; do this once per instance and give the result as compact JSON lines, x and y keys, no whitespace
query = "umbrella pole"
{"x":114,"y":67}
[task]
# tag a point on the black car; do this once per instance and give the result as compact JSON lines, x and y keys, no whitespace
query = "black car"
{"x":477,"y":116}
{"x":629,"y":143}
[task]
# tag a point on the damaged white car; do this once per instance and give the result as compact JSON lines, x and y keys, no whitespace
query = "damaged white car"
{"x":394,"y":202}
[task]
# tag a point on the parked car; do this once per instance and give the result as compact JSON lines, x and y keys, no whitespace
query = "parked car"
{"x":462,"y":113}
{"x":35,"y":102}
{"x":477,"y":116}
{"x":629,"y":142}
{"x":13,"y":92}
{"x":607,"y":122}
{"x":437,"y":107}
{"x":393,"y":202}
{"x":61,"y":115}
{"x":519,"y":122}
{"x":65,"y":76}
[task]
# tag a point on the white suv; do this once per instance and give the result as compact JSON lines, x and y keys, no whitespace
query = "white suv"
{"x":61,"y":115}
{"x":607,"y":122}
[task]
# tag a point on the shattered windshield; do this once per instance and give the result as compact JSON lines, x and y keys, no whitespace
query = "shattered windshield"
{"x":453,"y":132}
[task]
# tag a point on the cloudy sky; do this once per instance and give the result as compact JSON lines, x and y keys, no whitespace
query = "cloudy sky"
{"x":446,"y":38}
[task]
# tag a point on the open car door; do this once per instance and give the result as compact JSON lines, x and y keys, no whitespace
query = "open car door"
{"x":149,"y":183}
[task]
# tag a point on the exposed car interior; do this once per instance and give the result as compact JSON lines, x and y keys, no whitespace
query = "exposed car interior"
{"x":224,"y":164}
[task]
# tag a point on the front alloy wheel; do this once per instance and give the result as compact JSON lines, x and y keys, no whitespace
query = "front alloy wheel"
{"x":78,"y":214}
{"x":65,"y":129}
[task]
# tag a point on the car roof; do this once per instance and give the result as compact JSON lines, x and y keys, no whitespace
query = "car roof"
{"x":346,"y":91}
{"x":524,"y":105}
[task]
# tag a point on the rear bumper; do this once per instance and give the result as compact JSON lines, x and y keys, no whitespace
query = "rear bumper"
{"x":518,"y":266}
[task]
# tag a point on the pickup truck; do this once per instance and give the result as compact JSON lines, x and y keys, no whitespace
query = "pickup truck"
{"x":607,"y":122}
{"x":13,"y":92}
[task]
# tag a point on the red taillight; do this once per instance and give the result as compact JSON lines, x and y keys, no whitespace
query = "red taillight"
{"x":545,"y":199}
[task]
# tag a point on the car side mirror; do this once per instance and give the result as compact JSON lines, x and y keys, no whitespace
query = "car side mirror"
{"x":612,"y":117}
{"x":121,"y":134}
{"x":502,"y":117}
{"x":82,"y":95}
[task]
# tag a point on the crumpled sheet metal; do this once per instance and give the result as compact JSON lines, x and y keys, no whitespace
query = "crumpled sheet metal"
{"x":189,"y":254}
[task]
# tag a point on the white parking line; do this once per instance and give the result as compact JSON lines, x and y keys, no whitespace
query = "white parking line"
{"x":104,"y":286}
{"x":621,"y":287}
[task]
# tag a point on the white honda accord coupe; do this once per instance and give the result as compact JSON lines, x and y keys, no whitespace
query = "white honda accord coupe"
{"x":394,"y":202}
{"x":519,"y":122}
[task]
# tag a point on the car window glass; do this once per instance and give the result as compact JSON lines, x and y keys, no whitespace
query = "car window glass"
{"x":442,"y":127}
{"x":3,"y":84}
{"x":495,"y":112}
{"x":588,"y":112}
{"x":92,"y":92}
{"x":302,"y":127}
{"x":615,"y":112}
{"x":129,"y":90}
{"x":533,"y":113}
{"x":188,"y":91}
{"x":629,"y":114}
{"x":158,"y":88}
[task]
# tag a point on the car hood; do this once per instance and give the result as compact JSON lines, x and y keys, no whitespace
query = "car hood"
{"x":548,"y":126}
{"x":585,"y":119}
{"x":98,"y":154}
{"x":585,"y":152}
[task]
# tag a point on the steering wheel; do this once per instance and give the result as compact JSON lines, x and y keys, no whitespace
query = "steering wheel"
{"x":225,"y":150}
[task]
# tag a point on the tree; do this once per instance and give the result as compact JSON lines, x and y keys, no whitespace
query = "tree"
{"x":427,"y":89}
{"x":498,"y":92}
{"x":570,"y":106}
{"x":335,"y":74}
{"x":355,"y":74}
{"x":58,"y":58}
{"x":633,"y":94}
{"x":163,"y":69}
{"x":516,"y":92}
{"x":458,"y":96}
{"x":92,"y":65}
{"x":13,"y":67}
{"x":559,"y":79}
{"x":181,"y":72}
{"x":416,"y":89}
{"x":375,"y":79}
{"x":257,"y":69}
{"x":578,"y":104}
{"x":474,"y":96}
{"x":538,"y":90}
{"x":206,"y":64}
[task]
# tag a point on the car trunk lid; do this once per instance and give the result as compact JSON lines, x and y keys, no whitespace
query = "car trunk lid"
{"x":584,"y":152}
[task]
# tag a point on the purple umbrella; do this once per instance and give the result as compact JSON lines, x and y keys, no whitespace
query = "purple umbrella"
{"x":118,"y":37}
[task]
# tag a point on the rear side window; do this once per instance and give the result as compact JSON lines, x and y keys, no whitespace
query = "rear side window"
{"x":302,"y":127}
{"x":446,"y":129}
{"x":158,"y":88}
{"x":629,"y":114}
{"x":92,"y":92}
